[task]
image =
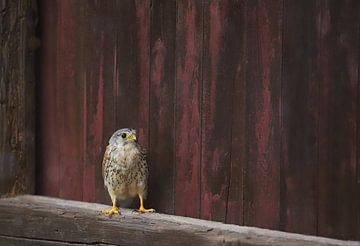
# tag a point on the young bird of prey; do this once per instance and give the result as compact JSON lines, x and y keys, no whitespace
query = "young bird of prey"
{"x":125,"y":170}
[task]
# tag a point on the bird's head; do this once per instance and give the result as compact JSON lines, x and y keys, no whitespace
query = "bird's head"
{"x":123,"y":136}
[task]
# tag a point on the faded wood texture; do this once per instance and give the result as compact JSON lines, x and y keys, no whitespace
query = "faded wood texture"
{"x":300,"y":118}
{"x":263,"y":89}
{"x":339,"y":82}
{"x":249,"y":109}
{"x":18,"y":21}
{"x":50,"y":221}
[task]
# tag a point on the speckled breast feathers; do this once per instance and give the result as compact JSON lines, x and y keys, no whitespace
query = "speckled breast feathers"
{"x":125,"y":170}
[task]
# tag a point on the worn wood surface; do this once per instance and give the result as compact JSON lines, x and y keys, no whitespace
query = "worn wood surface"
{"x":236,"y":40}
{"x":216,"y":112}
{"x":300,"y":137}
{"x":249,"y":109}
{"x":51,"y":221}
{"x":263,"y":86}
{"x":161,"y":112}
{"x":18,"y":20}
{"x":18,"y":241}
{"x":188,"y":112}
{"x":338,"y":187}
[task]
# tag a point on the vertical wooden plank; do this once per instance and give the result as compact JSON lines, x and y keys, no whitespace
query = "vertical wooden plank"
{"x":358,"y":138}
{"x":300,"y":93}
{"x":235,"y":62}
{"x":69,"y":103}
{"x":104,"y":17}
{"x":17,"y":96}
{"x":92,"y":72}
{"x":132,"y":66}
{"x":116,"y":80}
{"x":161,"y":120}
{"x":48,"y":166}
{"x":143,"y":11}
{"x":100,"y":83}
{"x":337,"y":126}
{"x":216,"y":112}
{"x":262,"y":185}
{"x":189,"y":37}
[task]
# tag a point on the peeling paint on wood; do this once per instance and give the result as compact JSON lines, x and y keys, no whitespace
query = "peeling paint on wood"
{"x":263,"y":52}
{"x":188,"y":108}
{"x":300,"y":79}
{"x":338,"y":194}
{"x":243,"y":106}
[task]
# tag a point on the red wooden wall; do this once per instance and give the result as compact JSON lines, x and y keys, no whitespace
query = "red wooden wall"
{"x":249,"y":109}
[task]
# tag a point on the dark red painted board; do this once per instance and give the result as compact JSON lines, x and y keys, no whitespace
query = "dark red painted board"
{"x":216,"y":113}
{"x":358,"y":152}
{"x":339,"y":63}
{"x":116,"y":80}
{"x":161,"y":114}
{"x":300,"y":110}
{"x":69,"y":98}
{"x":358,"y":144}
{"x":202,"y":83}
{"x":103,"y":85}
{"x":60,"y":131}
{"x":97,"y":73}
{"x":132,"y":64}
{"x":263,"y":57}
{"x":48,"y":167}
{"x":189,"y":37}
{"x":131,"y":68}
{"x":234,"y":73}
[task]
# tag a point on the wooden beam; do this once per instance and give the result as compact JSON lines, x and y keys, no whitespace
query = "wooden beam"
{"x":50,"y":221}
{"x":17,"y":102}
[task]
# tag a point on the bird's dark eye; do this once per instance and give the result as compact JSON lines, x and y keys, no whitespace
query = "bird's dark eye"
{"x":123,"y":135}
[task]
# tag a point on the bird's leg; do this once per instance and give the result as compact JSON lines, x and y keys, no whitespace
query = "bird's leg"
{"x":142,"y":209}
{"x":114,"y":209}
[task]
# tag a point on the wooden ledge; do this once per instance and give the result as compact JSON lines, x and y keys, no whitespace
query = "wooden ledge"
{"x":36,"y":220}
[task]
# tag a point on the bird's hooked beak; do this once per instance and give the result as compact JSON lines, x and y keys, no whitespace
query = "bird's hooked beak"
{"x":132,"y":137}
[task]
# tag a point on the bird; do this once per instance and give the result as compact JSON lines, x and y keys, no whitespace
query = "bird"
{"x":124,"y":169}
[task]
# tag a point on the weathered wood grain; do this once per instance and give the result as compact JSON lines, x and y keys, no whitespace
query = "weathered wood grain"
{"x":91,"y":72}
{"x":118,"y":77}
{"x":60,"y":132}
{"x":300,"y":111}
{"x":69,"y":101}
{"x":40,"y":219}
{"x":189,"y":38}
{"x":101,"y":20}
{"x":18,"y":20}
{"x":132,"y":66}
{"x":201,"y":81}
{"x":235,"y":72}
{"x":15,"y":241}
{"x":358,"y":144}
{"x":216,"y":112}
{"x":48,"y":166}
{"x":263,"y":78}
{"x":339,"y":63}
{"x":105,"y":74}
{"x":162,"y":94}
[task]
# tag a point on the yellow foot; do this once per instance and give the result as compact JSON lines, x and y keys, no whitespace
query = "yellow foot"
{"x":144,"y":210}
{"x":113,"y":210}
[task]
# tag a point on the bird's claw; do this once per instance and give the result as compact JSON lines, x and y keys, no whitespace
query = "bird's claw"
{"x":111,"y":211}
{"x":144,"y":210}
